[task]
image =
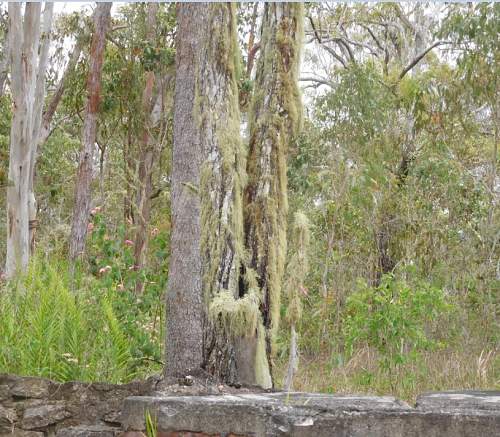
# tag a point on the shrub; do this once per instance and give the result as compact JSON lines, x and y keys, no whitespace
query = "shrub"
{"x":396,"y":319}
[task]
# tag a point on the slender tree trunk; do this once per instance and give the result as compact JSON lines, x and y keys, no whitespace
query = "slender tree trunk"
{"x":147,"y":153}
{"x":37,"y":116}
{"x":4,"y":62}
{"x":275,"y":117}
{"x":252,"y":47}
{"x":49,"y":113}
{"x":384,"y":234}
{"x":129,"y":170}
{"x":28,"y":90}
{"x":84,"y":177}
{"x":207,"y":178}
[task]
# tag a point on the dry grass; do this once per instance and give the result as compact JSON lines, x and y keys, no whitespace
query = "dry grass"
{"x":434,"y":371}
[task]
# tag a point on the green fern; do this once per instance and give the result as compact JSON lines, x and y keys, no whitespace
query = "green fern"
{"x":119,"y":351}
{"x":53,"y":329}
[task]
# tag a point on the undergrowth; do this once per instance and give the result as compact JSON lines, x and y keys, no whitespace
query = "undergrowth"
{"x":77,"y":329}
{"x":404,"y":337}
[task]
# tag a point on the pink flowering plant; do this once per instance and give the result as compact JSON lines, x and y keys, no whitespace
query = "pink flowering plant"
{"x":111,"y":260}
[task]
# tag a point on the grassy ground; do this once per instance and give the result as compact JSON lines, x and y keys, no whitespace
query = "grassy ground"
{"x":434,"y":371}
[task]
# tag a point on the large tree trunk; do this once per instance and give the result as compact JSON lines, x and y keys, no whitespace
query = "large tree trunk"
{"x":28,"y":90}
{"x":84,"y":177}
{"x":207,"y":178}
{"x":275,"y":117}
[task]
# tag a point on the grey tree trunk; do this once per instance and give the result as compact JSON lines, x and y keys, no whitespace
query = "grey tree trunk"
{"x":207,"y":178}
{"x":28,"y":66}
{"x":81,"y":208}
{"x":37,"y":116}
{"x":49,"y":113}
{"x":275,"y":117}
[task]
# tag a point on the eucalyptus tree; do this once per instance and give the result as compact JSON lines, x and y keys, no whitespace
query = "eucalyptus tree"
{"x":81,"y":208}
{"x":207,"y":178}
{"x":378,"y":52}
{"x":153,"y":135}
{"x":5,"y":54}
{"x":29,"y":38}
{"x":275,"y":119}
{"x":226,"y":269}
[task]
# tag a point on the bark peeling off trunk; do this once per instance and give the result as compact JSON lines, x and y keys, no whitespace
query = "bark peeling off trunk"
{"x":275,"y":117}
{"x":84,"y":176}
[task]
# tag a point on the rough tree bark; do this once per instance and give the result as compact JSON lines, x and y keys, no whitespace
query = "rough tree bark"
{"x":84,"y":176}
{"x":207,"y":178}
{"x":27,"y":88}
{"x":275,"y":117}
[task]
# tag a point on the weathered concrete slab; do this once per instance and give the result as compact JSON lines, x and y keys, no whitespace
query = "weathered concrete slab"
{"x":460,"y":401}
{"x":317,"y":415}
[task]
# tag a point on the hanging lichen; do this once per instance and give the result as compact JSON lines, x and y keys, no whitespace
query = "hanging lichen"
{"x":297,"y":269}
{"x":275,"y":119}
{"x":242,"y":275}
{"x":222,"y":180}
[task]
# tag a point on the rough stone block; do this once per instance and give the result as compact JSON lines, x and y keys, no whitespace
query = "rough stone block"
{"x":7,"y":418}
{"x":88,"y":431}
{"x":4,"y":392}
{"x":44,"y":415}
{"x":30,"y":388}
{"x":460,"y":401}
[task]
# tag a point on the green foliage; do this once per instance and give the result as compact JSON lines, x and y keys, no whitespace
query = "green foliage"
{"x":111,"y":262}
{"x":151,"y":425}
{"x":66,"y":330}
{"x":395,"y":318}
{"x":433,"y":324}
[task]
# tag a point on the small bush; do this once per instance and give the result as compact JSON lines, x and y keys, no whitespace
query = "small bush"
{"x":396,"y":319}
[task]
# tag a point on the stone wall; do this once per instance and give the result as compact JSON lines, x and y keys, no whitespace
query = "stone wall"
{"x":35,"y":407}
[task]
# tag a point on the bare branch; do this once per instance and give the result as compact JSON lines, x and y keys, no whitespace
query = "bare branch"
{"x":418,"y":58}
{"x":57,"y":96}
{"x":328,"y":49}
{"x":317,"y":80}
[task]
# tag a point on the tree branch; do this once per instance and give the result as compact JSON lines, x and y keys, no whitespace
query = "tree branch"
{"x":61,"y":86}
{"x":328,"y":49}
{"x":418,"y":58}
{"x":318,"y":80}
